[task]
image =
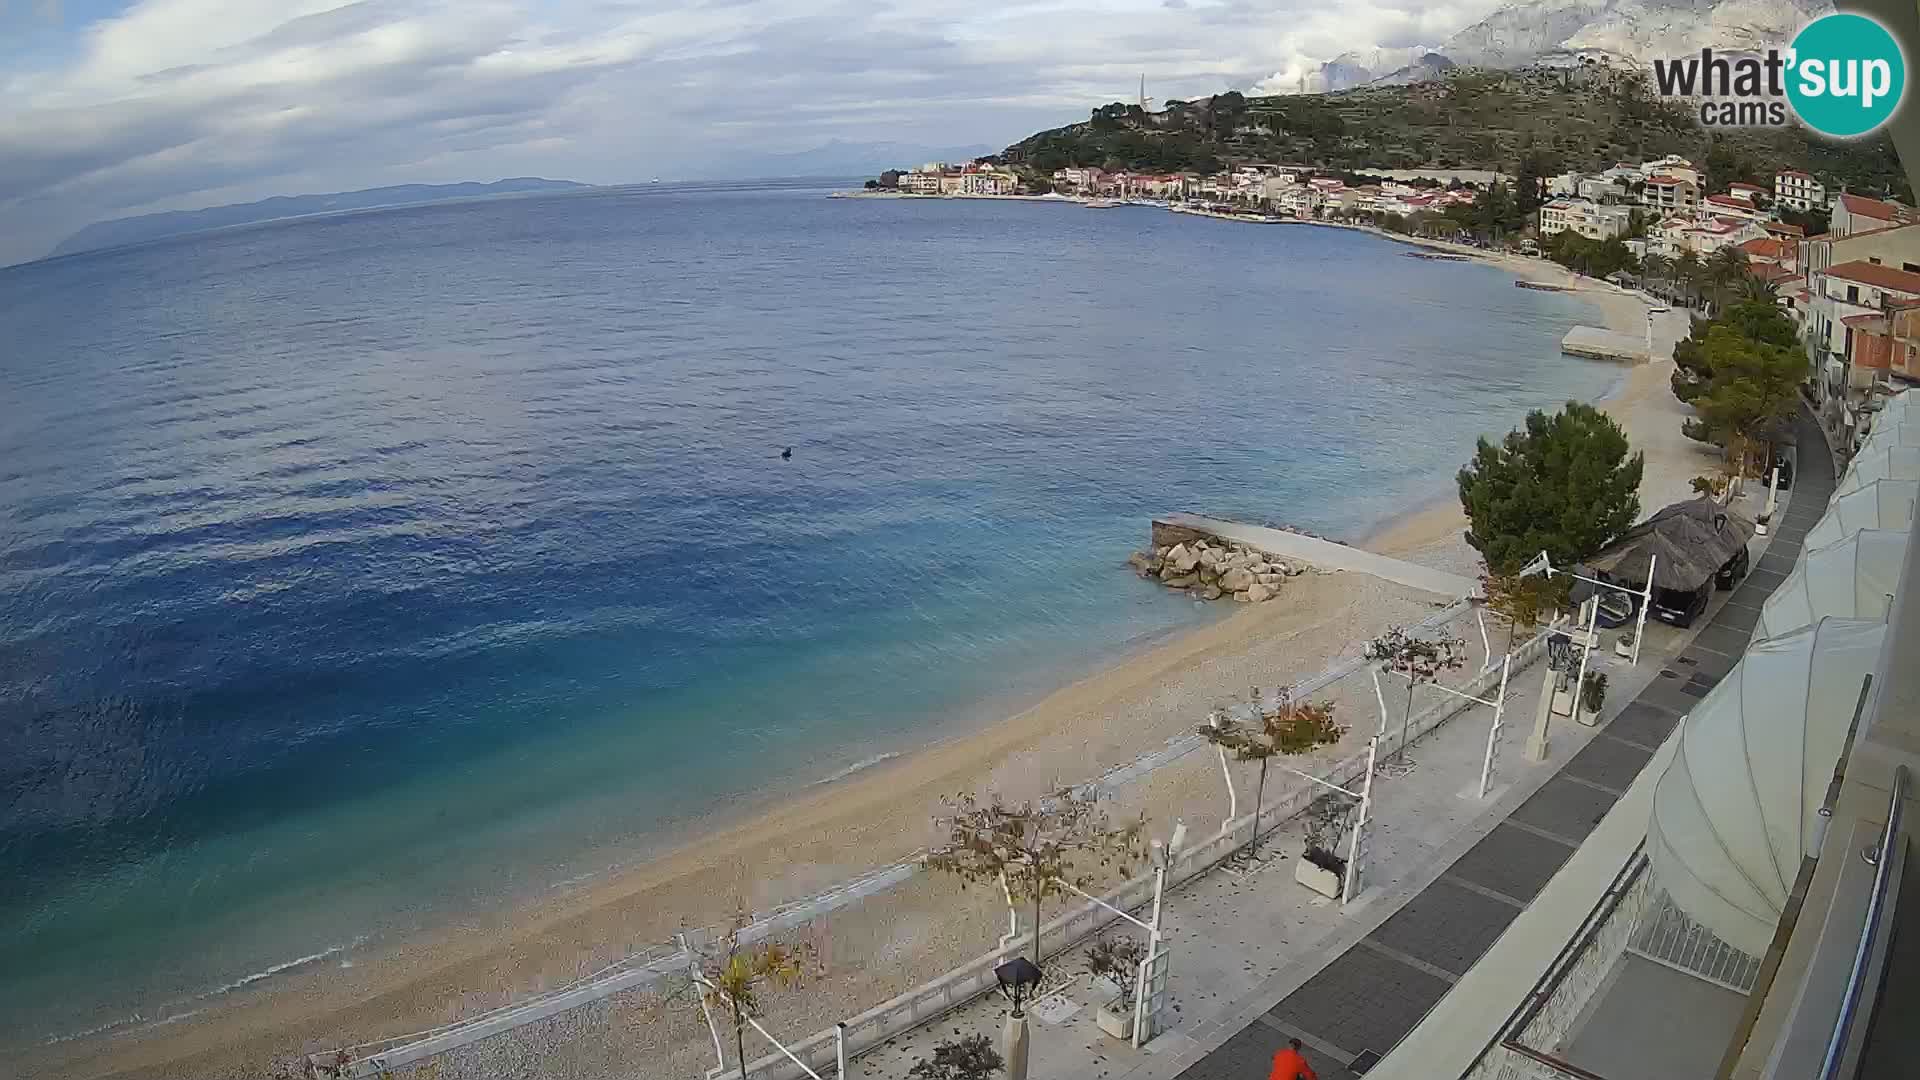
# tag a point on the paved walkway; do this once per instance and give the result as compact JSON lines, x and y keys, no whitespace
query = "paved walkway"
{"x":1356,"y":1008}
{"x":1328,"y":555}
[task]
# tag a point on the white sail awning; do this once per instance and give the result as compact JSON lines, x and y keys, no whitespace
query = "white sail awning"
{"x":1737,"y":808}
{"x":1885,"y":463}
{"x":1882,"y":504}
{"x":1892,"y":432}
{"x":1852,"y":578}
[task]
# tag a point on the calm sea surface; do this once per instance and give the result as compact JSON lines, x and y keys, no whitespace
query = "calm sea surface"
{"x":362,"y":571}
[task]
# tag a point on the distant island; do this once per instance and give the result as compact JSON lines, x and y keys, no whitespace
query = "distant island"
{"x":143,"y":227}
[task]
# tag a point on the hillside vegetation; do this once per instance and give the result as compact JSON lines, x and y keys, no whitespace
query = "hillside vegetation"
{"x":1583,"y":119}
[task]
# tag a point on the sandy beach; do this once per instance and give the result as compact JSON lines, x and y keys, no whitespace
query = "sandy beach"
{"x":802,"y":844}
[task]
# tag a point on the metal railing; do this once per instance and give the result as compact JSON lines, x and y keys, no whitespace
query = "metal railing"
{"x":1869,"y":933}
{"x":959,"y":985}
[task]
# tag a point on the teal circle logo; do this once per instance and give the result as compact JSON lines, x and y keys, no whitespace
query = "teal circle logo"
{"x":1847,"y":75}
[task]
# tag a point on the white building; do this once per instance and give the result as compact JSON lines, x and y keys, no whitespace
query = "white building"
{"x":1841,"y":291}
{"x":1671,"y":165}
{"x":987,"y":182}
{"x":1730,"y":206}
{"x":1601,"y":190}
{"x":921,"y":182}
{"x":1857,"y":214}
{"x":1666,"y":193}
{"x":1799,"y":190}
{"x":1077,"y":177}
{"x":1583,"y":216}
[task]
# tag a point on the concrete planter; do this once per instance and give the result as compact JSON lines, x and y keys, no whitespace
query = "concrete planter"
{"x":1563,"y":702}
{"x":1319,"y":879}
{"x":1116,"y":1019}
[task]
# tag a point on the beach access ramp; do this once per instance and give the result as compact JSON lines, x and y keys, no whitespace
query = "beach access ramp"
{"x":1597,"y":344}
{"x":1318,"y":553}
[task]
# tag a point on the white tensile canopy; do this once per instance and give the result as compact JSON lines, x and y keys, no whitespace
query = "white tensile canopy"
{"x":1852,"y":578}
{"x":1880,"y":463}
{"x":1882,"y":504}
{"x":1893,"y":432}
{"x":1738,"y":807}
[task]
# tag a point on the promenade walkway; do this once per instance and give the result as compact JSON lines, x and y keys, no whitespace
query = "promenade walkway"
{"x":1354,"y":1009}
{"x":1327,"y":555}
{"x":1257,"y":959}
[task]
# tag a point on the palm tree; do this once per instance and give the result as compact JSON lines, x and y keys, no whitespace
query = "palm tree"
{"x":1758,"y":289}
{"x":1686,"y":273}
{"x":1724,"y":270}
{"x":1655,"y":267}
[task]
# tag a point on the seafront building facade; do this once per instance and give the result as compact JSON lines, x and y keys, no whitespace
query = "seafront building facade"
{"x":1583,"y":216}
{"x":1744,"y":900}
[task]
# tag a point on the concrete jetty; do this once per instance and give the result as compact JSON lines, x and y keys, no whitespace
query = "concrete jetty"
{"x":1315,"y":552}
{"x":1597,"y":344}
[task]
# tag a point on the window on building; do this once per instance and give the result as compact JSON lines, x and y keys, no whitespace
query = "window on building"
{"x":1853,"y":294}
{"x":1874,"y":259}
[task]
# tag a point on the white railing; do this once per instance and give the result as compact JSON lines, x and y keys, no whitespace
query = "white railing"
{"x":962,"y":984}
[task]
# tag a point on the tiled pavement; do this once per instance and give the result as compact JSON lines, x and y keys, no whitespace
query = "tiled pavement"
{"x":1370,"y":996}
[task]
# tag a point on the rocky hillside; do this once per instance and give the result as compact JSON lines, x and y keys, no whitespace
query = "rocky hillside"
{"x":1623,"y":33}
{"x":1560,"y":118}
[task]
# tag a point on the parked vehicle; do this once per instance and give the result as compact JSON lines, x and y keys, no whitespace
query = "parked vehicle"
{"x":1617,"y":608}
{"x":1679,"y":607}
{"x":1732,"y":571}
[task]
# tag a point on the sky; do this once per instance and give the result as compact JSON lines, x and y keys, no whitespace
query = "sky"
{"x":115,"y":108}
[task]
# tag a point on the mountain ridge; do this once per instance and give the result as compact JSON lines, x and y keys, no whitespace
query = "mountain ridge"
{"x":1563,"y":33}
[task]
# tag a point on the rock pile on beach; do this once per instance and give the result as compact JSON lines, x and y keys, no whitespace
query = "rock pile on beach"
{"x":1211,"y":569}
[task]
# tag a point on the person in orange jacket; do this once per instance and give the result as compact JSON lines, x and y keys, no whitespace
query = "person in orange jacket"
{"x":1290,"y":1064}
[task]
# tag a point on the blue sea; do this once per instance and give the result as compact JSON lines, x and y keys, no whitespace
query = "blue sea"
{"x":359,"y":572}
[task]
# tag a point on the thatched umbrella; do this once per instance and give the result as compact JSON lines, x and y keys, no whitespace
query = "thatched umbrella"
{"x":1686,"y":543}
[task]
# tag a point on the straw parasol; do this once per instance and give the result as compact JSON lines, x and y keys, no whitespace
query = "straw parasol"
{"x":1686,"y":543}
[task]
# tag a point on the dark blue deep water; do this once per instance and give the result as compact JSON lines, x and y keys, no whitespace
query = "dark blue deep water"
{"x":359,"y":571}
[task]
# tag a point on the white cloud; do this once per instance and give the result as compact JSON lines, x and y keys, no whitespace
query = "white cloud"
{"x":189,"y":102}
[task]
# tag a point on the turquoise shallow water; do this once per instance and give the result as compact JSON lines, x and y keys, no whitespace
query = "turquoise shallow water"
{"x":359,"y":572}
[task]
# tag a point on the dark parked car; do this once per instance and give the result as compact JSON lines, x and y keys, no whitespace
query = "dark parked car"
{"x":1678,"y":607}
{"x":1732,"y":571}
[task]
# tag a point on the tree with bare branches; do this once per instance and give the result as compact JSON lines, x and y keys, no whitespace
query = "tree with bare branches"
{"x":1033,"y":850}
{"x":1417,"y":660}
{"x":1290,"y":727}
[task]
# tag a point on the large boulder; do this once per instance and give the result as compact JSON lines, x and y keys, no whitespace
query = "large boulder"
{"x":1141,"y":562}
{"x":1209,"y":557}
{"x":1211,"y":592}
{"x":1183,"y":581}
{"x":1258,"y":593}
{"x":1236,"y":579}
{"x":1182,"y":558}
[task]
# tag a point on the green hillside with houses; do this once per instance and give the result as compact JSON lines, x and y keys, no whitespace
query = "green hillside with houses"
{"x":1553,"y":119}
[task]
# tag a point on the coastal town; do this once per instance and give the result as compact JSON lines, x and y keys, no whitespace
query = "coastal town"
{"x":1844,"y":266}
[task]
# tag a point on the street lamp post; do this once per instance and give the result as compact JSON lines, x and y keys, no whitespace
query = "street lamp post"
{"x":1017,"y":978}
